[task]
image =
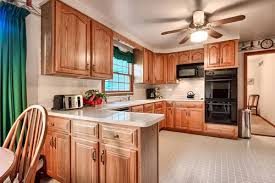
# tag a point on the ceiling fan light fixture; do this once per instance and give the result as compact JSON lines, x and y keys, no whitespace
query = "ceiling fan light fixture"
{"x":198,"y":18}
{"x":199,"y":36}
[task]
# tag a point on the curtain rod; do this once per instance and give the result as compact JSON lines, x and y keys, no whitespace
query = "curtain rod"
{"x":26,"y":5}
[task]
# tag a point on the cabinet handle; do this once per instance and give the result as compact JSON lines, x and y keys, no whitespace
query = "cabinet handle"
{"x":221,"y":60}
{"x":51,"y":142}
{"x":87,"y":66}
{"x":116,"y":136}
{"x":52,"y":124}
{"x":93,"y":67}
{"x":94,"y":155}
{"x":55,"y":142}
{"x":102,"y":157}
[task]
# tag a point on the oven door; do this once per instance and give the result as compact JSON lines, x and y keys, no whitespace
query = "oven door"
{"x":220,"y":89}
{"x":221,"y":112}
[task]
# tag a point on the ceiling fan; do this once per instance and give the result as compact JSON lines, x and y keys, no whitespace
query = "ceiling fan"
{"x":200,"y":27}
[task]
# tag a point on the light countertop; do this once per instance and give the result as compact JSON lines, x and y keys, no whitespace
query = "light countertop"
{"x":118,"y":105}
{"x":106,"y":114}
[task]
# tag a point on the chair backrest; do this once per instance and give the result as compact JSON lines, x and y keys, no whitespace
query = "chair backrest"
{"x":253,"y":100}
{"x":26,"y":139}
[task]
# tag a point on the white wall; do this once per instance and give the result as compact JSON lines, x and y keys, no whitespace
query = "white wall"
{"x":265,"y":85}
{"x":180,"y":90}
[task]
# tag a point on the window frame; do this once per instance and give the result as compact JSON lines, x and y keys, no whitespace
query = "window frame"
{"x":120,"y":93}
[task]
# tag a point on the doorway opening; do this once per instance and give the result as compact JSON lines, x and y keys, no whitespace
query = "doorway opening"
{"x":259,"y":90}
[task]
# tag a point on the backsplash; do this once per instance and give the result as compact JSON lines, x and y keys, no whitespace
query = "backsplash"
{"x":180,"y":90}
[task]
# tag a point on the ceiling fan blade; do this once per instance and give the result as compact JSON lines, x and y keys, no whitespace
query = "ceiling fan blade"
{"x":174,"y":31}
{"x":240,"y":5}
{"x":186,"y":38}
{"x":214,"y":34}
{"x":226,"y":21}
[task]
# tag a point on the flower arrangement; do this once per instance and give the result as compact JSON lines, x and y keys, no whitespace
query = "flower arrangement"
{"x":94,"y":97}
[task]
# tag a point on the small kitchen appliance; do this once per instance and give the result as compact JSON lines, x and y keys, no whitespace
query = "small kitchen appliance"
{"x":150,"y":93}
{"x":190,"y":71}
{"x":67,"y":102}
{"x":157,"y":93}
{"x":191,"y":95}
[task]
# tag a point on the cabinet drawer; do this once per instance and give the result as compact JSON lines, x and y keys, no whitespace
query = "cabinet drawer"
{"x":158,"y":105}
{"x":110,"y":134}
{"x":59,"y":124}
{"x":84,"y":128}
{"x":138,"y":108}
{"x":189,"y":104}
{"x":148,"y":107}
{"x":169,"y":104}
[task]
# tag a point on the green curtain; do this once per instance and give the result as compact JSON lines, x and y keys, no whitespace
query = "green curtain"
{"x":127,"y":56}
{"x":12,"y":65}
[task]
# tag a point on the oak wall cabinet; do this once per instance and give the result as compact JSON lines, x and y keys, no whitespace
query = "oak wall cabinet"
{"x":191,"y":56}
{"x":143,"y":67}
{"x":160,"y":68}
{"x":102,"y":54}
{"x":221,"y":55}
{"x":172,"y":60}
{"x":74,"y":45}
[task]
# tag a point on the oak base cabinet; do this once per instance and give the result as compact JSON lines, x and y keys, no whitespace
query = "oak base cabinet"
{"x":57,"y":154}
{"x":83,"y":151}
{"x":84,"y":159}
{"x":117,"y":165}
{"x":225,"y":131}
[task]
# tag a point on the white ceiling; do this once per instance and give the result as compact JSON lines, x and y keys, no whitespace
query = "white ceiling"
{"x":144,"y":20}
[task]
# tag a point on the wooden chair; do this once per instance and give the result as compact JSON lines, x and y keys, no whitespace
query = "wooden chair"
{"x":253,"y":102}
{"x":26,"y":139}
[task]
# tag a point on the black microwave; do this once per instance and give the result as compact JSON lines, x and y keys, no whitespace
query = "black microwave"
{"x":190,"y":71}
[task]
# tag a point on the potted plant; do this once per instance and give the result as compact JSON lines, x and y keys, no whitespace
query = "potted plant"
{"x":94,"y":97}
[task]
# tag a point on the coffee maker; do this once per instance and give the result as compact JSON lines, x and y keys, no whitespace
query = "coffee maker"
{"x":150,"y":93}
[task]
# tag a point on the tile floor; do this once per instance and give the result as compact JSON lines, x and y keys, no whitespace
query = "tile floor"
{"x":186,"y":158}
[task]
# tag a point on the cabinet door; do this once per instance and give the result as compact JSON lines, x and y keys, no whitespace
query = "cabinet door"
{"x":170,"y":117}
{"x":162,"y":124}
{"x":197,"y":56}
{"x":84,"y":159}
{"x":181,"y":120}
{"x":102,"y":62}
{"x":48,"y":152}
{"x":227,"y":53}
{"x":72,"y":41}
{"x":160,"y":68}
{"x":195,"y":119}
{"x":172,"y":60}
{"x":213,"y":55}
{"x":146,"y":61}
{"x":151,"y":67}
{"x":138,"y":108}
{"x":62,"y":157}
{"x":117,"y":165}
{"x":184,"y":57}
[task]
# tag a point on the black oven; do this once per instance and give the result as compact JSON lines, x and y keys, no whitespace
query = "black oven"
{"x":221,"y":96}
{"x":190,"y":71}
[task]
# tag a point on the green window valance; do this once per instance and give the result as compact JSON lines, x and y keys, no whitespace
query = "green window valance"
{"x":127,"y":56}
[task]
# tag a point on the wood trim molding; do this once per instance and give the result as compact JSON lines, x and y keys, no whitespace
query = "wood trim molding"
{"x":246,"y":55}
{"x":121,"y":38}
